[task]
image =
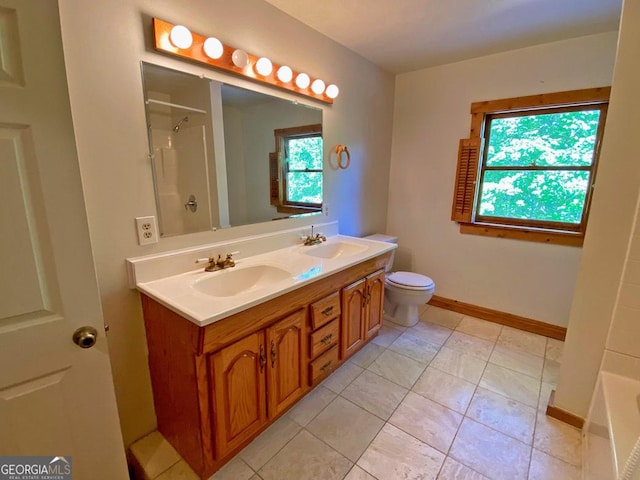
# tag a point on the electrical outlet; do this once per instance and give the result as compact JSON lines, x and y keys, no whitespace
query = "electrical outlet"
{"x":147,"y":229}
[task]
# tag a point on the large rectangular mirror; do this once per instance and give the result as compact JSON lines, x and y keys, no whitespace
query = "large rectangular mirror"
{"x":226,"y":156}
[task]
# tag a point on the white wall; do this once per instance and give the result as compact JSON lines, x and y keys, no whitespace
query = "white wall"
{"x":607,"y":299}
{"x":431,"y":114}
{"x":104,"y":41}
{"x":248,"y":153}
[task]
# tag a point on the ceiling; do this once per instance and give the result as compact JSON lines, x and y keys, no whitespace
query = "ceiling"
{"x":405,"y":35}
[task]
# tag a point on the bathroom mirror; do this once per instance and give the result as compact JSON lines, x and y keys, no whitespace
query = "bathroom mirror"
{"x":226,"y":156}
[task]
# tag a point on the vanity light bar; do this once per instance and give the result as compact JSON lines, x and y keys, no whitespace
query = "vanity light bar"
{"x":173,"y":39}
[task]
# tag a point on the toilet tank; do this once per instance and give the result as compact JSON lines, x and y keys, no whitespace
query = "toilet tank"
{"x":381,"y":237}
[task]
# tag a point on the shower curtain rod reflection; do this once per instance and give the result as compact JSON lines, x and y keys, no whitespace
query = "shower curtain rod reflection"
{"x":151,"y":101}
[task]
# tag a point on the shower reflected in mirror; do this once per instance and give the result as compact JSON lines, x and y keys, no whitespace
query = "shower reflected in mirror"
{"x":213,"y":157}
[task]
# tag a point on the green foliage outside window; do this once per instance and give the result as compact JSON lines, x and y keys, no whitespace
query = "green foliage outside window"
{"x":304,"y":172}
{"x":536,"y":166}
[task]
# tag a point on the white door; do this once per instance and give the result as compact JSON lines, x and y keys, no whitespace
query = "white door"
{"x":56,"y":399}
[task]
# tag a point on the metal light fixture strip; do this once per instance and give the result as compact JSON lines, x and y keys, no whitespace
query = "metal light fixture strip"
{"x":195,"y":52}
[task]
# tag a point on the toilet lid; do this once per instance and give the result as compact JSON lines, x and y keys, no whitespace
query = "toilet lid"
{"x":410,"y":279}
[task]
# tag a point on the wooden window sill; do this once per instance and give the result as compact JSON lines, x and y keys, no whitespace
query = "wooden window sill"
{"x":527,"y":234}
{"x":296,"y":210}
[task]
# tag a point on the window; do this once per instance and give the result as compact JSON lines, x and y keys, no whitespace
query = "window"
{"x":528,"y":170}
{"x":296,"y":169}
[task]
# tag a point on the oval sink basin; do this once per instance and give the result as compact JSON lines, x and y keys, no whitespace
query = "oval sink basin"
{"x":227,"y":283}
{"x":335,"y":250}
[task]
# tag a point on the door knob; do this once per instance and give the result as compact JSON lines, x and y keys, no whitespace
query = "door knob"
{"x":85,"y":337}
{"x":192,"y":203}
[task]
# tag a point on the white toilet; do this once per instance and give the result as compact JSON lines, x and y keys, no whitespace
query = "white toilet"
{"x":404,"y":292}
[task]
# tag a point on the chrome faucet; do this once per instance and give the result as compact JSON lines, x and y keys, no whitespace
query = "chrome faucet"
{"x":214,"y":264}
{"x":314,"y":239}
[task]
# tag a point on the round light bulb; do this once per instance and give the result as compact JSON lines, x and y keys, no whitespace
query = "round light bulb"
{"x":240,"y":58}
{"x":181,"y":37}
{"x":317,"y":86}
{"x":264,"y":66}
{"x":213,"y":48}
{"x":332,"y":91}
{"x":285,"y":74}
{"x":302,"y":80}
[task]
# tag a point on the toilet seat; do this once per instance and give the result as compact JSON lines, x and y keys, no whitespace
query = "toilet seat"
{"x":410,"y":281}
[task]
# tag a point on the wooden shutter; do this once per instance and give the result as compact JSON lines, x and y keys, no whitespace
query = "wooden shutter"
{"x":466,"y":175}
{"x":274,"y":179}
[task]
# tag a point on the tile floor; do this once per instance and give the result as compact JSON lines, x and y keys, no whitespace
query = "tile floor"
{"x":454,"y":397}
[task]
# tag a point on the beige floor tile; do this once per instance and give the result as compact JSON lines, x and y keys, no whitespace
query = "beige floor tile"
{"x":440,"y":316}
{"x":341,"y":378}
{"x":387,"y":335}
{"x":388,"y":321}
{"x":414,"y":347}
{"x":479,"y":328}
{"x":399,"y":369}
{"x":182,"y":471}
{"x":427,"y":420}
{"x":545,"y":394}
{"x":394,"y":454}
{"x":452,"y":392}
{"x":430,"y":332}
{"x":453,"y":470}
{"x":307,"y":408}
{"x":558,"y":439}
{"x":516,"y":360}
{"x":267,"y":444}
{"x":478,"y":347}
{"x":490,"y":452}
{"x":554,"y":350}
{"x":551,"y":371}
{"x":375,"y":394}
{"x":518,"y":387}
{"x":367,"y":355}
{"x":356,"y":473}
{"x":306,"y":458}
{"x":346,"y":427}
{"x":459,"y":364}
{"x":545,"y":467}
{"x":503,"y":414}
{"x":236,"y":469}
{"x":154,"y":454}
{"x":522,"y":341}
{"x":255,"y":477}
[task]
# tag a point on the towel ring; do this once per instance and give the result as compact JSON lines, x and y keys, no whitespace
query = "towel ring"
{"x":340,"y":149}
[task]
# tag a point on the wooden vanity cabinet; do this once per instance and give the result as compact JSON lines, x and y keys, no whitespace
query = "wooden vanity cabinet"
{"x":362,"y":303}
{"x":374,"y":303}
{"x":287,"y":362}
{"x":217,"y":387}
{"x":256,"y":379}
{"x":239,"y":392}
{"x":324,"y":338}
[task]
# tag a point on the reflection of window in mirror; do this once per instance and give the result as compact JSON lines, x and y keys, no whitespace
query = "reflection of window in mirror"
{"x":296,"y":169}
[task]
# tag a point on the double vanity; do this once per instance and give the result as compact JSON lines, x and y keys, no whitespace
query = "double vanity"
{"x":231,"y":350}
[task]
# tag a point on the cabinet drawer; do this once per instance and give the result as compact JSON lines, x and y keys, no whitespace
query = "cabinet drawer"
{"x":324,"y":338}
{"x":325,"y":310}
{"x":323,"y":365}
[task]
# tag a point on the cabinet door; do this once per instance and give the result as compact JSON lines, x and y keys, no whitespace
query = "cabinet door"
{"x":240,"y":408}
{"x":374,"y":301}
{"x":353,"y":303}
{"x":287,"y":362}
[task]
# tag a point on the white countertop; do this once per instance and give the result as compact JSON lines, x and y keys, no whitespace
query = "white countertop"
{"x":181,"y":294}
